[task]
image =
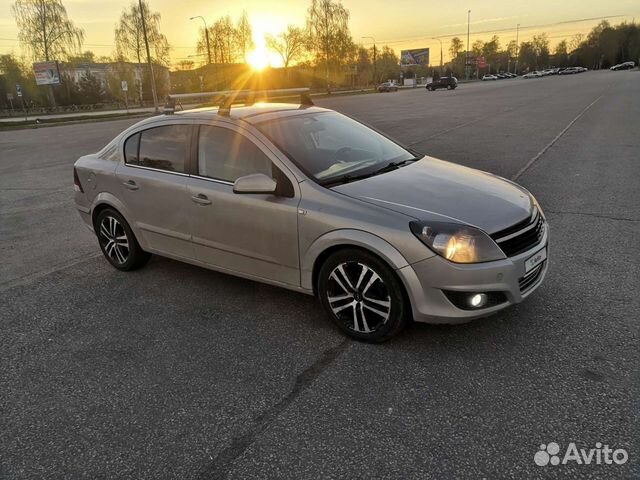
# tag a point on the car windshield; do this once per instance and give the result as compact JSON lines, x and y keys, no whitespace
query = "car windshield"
{"x":328,"y":145}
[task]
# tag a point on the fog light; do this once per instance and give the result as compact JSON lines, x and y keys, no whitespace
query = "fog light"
{"x":478,"y":300}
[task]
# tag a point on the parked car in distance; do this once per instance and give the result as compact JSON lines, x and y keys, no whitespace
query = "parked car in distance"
{"x":623,"y":66}
{"x":387,"y":87}
{"x":308,"y":199}
{"x":534,"y":74}
{"x":489,"y":77}
{"x":450,"y":83}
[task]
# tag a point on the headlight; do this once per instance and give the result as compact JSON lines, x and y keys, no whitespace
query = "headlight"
{"x":457,"y":243}
{"x":537,"y":205}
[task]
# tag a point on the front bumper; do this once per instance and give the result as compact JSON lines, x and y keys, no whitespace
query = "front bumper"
{"x":426,"y":280}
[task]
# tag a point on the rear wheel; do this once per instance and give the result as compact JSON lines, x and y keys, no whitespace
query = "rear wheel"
{"x":117,"y":241}
{"x":362,"y":296}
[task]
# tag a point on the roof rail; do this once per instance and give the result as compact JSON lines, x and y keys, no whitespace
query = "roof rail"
{"x":227,"y":98}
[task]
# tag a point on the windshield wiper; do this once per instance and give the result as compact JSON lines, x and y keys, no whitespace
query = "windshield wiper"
{"x":351,"y":177}
{"x":394,"y":165}
{"x":344,"y":179}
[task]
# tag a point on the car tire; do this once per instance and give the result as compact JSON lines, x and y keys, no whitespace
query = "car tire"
{"x":117,"y":241}
{"x":449,"y":87}
{"x":362,"y":295}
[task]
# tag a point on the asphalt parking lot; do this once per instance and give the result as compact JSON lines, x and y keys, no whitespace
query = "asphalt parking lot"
{"x":174,"y":371}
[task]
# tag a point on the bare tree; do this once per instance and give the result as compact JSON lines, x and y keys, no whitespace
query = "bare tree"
{"x":290,"y":44}
{"x":541,"y":47}
{"x":328,"y":28}
{"x":222,"y":35}
{"x":455,"y":48}
{"x":45,"y":29}
{"x":130,"y":40}
{"x":576,"y":41}
{"x":243,"y":36}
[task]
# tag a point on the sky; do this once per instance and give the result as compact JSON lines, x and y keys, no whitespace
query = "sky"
{"x":399,"y":23}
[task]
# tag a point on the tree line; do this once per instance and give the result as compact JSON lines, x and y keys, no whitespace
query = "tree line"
{"x":604,"y":46}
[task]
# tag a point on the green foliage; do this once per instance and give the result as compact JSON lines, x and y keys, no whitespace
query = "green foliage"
{"x":14,"y":73}
{"x":90,"y":88}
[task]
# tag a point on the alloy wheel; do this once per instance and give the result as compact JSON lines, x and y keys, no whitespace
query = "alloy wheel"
{"x":358,"y":297}
{"x":114,"y":240}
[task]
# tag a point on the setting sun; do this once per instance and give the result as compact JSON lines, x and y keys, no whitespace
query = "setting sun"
{"x":259,"y":58}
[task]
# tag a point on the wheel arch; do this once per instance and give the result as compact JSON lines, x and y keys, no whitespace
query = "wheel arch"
{"x":107,"y":200}
{"x":336,"y":240}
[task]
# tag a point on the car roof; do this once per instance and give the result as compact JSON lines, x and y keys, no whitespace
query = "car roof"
{"x":252,"y":114}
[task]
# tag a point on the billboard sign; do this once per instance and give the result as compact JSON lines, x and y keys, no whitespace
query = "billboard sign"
{"x":415,"y":56}
{"x":46,"y":73}
{"x":481,"y":62}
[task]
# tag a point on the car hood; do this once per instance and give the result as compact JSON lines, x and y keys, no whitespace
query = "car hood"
{"x":432,"y":189}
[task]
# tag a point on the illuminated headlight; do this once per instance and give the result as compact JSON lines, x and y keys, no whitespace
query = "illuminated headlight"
{"x":457,"y":243}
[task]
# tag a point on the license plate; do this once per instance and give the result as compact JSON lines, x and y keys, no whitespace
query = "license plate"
{"x":535,"y":260}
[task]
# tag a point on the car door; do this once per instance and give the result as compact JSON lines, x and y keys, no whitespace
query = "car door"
{"x":154,"y":189}
{"x":250,"y":234}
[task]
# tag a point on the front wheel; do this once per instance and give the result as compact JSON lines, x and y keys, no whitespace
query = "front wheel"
{"x":362,"y":296}
{"x":117,"y":241}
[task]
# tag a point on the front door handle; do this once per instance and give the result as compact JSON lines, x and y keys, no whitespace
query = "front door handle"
{"x":201,"y":199}
{"x":131,"y":185}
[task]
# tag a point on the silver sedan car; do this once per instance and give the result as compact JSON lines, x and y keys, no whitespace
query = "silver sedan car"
{"x":311,"y":200}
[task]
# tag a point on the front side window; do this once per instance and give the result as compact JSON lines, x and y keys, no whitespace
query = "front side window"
{"x":226,"y":155}
{"x":165,"y":148}
{"x":131,"y":149}
{"x":328,"y":145}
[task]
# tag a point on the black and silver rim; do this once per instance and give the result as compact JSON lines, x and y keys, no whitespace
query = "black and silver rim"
{"x":358,"y":297}
{"x":114,"y":240}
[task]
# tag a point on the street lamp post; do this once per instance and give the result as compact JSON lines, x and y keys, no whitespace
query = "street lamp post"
{"x":517,"y":48}
{"x":468,"y":65}
{"x":436,"y":38}
{"x":375,"y":72}
{"x":146,"y":45}
{"x":206,"y":35}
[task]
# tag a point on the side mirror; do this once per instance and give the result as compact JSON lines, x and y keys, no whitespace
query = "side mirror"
{"x":255,"y":183}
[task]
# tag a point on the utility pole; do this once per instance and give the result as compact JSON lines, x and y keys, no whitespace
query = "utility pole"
{"x":206,"y":35}
{"x":146,"y":44}
{"x":375,"y":61}
{"x":436,"y":38}
{"x":468,"y":65}
{"x":517,"y":48}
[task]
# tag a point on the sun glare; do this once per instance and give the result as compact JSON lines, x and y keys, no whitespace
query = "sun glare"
{"x":259,"y":58}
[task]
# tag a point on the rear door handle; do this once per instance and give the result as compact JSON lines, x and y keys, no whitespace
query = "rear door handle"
{"x":201,"y":199}
{"x":131,"y":185}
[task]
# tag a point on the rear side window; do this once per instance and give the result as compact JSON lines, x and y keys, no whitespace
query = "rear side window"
{"x":226,"y":155}
{"x":131,"y":149}
{"x":164,"y":148}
